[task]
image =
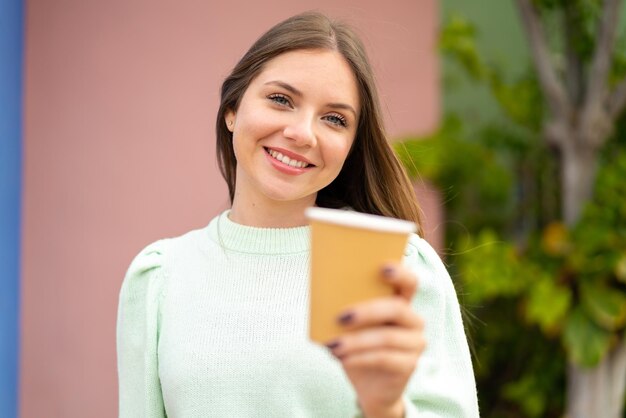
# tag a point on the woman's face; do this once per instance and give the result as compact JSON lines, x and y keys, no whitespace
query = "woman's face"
{"x":294,"y":127}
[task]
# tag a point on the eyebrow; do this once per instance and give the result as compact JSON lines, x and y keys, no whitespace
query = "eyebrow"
{"x":291,"y":89}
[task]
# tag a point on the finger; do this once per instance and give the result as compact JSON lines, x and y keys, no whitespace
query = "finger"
{"x":385,"y":338}
{"x":386,"y":361}
{"x":403,"y":280}
{"x":382,"y":311}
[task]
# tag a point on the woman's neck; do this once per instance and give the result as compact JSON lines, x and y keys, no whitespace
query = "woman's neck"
{"x":269,"y":214}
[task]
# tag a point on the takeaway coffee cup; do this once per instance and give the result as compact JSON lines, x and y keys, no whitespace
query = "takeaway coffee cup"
{"x":348,"y":250}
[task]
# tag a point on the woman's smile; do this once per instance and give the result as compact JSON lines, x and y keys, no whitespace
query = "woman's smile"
{"x":287,"y":161}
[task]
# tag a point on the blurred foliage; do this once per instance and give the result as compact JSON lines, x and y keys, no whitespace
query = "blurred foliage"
{"x":540,"y":293}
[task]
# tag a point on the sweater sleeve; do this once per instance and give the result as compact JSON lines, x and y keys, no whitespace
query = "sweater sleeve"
{"x":443,"y":384}
{"x":137,"y":336}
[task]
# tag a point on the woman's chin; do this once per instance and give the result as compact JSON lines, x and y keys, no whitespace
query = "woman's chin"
{"x":284,"y":195}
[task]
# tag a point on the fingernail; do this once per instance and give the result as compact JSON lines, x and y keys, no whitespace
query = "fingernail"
{"x":389,"y":272}
{"x":346,"y":318}
{"x":333,"y":344}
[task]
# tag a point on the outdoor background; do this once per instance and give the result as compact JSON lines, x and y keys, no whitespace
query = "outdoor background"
{"x":107,"y":144}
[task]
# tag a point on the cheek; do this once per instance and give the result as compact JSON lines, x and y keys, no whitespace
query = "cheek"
{"x":254,"y":120}
{"x":249,"y":130}
{"x":335,"y":155}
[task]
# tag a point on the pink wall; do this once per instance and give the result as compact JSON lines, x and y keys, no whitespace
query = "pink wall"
{"x":120,"y":104}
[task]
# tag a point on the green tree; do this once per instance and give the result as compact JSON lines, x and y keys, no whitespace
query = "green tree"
{"x":584,"y":101}
{"x":547,"y":231}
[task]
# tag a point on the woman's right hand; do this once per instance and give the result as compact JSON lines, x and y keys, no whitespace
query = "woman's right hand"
{"x":382,"y":345}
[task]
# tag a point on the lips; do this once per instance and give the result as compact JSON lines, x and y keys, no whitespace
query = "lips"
{"x":288,"y":158}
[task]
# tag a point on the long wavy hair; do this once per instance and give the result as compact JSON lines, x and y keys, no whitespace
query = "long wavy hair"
{"x":372,"y":179}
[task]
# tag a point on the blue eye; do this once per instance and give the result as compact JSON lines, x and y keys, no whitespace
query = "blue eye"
{"x":280,"y":99}
{"x":337,"y":120}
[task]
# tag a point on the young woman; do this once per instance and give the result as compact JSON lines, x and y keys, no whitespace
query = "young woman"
{"x":214,"y":323}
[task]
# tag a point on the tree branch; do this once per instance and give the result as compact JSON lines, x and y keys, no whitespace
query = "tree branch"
{"x":595,"y":121}
{"x":597,"y":82}
{"x":574,"y":67}
{"x":551,"y":85}
{"x":617,"y":100}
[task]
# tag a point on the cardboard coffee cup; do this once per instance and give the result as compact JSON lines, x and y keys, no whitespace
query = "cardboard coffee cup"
{"x":348,"y":250}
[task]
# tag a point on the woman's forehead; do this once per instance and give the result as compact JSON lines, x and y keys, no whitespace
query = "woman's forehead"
{"x":315,"y":71}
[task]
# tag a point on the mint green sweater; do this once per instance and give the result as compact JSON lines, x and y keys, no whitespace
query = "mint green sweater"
{"x":214,"y":324}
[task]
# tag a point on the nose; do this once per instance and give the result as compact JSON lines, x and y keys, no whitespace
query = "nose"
{"x":301,"y":130}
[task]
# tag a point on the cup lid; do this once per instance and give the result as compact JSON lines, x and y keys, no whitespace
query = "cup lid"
{"x":354,"y":219}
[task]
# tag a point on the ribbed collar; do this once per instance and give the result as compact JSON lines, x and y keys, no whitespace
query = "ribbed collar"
{"x":253,"y":240}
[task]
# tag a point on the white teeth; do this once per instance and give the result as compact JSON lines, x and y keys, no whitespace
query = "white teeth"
{"x":286,"y":160}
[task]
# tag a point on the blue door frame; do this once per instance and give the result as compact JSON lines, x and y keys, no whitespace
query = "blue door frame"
{"x":11,"y":58}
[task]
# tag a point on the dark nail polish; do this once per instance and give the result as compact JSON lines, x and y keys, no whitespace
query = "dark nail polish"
{"x":346,"y":318}
{"x":389,"y":272}
{"x":333,"y":344}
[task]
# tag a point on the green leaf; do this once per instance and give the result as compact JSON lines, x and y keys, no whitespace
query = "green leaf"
{"x":457,"y":40}
{"x":521,"y":100}
{"x":586,"y":343}
{"x":524,"y":392}
{"x":605,"y":305}
{"x":490,"y":268}
{"x":620,"y":269}
{"x":548,"y":304}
